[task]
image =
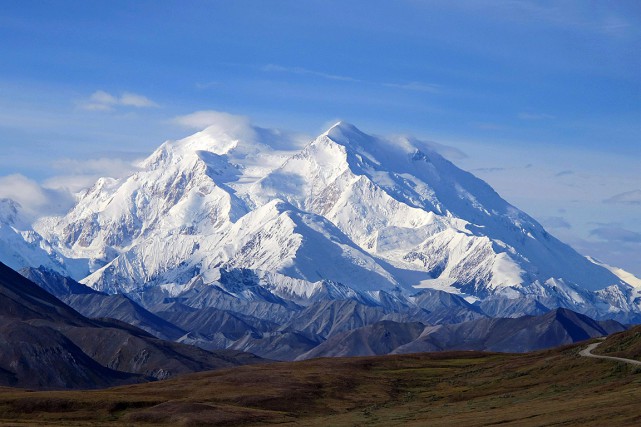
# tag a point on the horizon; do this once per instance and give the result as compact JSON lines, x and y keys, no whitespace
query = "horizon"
{"x":542,"y":102}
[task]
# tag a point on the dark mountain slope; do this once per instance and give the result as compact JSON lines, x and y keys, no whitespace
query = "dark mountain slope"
{"x":42,"y":357}
{"x":94,"y":304}
{"x":46,"y":344}
{"x":55,"y":283}
{"x":21,"y":299}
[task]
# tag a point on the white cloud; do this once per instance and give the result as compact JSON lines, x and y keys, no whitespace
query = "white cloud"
{"x":102,"y":97}
{"x":199,"y":120}
{"x":112,"y":167}
{"x":104,"y":101}
{"x":215,"y":124}
{"x":71,"y":183}
{"x":218,"y":123}
{"x":81,"y":174}
{"x":138,"y":101}
{"x":55,"y":196}
{"x":35,"y":200}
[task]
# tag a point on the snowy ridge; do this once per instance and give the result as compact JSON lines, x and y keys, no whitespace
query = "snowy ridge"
{"x":626,"y":276}
{"x":348,"y":214}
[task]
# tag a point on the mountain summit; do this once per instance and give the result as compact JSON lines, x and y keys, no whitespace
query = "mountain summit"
{"x":373,"y":214}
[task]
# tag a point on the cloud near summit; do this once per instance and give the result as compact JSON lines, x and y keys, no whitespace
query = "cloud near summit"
{"x":35,"y":201}
{"x":217,"y":122}
{"x":200,"y":120}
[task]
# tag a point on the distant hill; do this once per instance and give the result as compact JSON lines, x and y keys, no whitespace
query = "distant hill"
{"x":528,"y":333}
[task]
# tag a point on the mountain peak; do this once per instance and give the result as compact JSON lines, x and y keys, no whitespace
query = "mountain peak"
{"x":341,"y":124}
{"x":343,"y":131}
{"x":220,"y":139}
{"x":213,"y":139}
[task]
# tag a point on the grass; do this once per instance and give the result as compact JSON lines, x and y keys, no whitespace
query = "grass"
{"x":625,"y":344}
{"x":555,"y":387}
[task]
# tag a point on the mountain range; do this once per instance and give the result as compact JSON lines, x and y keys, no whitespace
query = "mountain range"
{"x":240,"y":238}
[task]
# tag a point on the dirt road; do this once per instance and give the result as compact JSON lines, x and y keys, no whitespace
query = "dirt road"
{"x":587,"y":352}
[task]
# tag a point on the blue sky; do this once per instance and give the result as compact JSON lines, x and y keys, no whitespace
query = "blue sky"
{"x":542,"y":98}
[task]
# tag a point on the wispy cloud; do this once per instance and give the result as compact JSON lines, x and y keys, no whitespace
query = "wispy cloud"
{"x":535,"y":116}
{"x":79,"y":174}
{"x":105,"y":101}
{"x":615,"y":233}
{"x":415,"y":86}
{"x":409,"y":86}
{"x":564,"y":173}
{"x":307,"y":72}
{"x":116,"y":167}
{"x":614,"y":25}
{"x":570,"y":14}
{"x":488,"y":126}
{"x":134,"y":100}
{"x":207,"y":85}
{"x":628,"y":198}
{"x":447,"y":151}
{"x":555,"y":222}
{"x":495,"y":169}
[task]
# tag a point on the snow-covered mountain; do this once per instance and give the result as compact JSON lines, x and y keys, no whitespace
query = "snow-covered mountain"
{"x":368,"y":213}
{"x":20,"y":245}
